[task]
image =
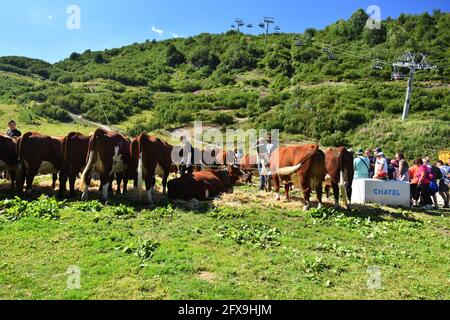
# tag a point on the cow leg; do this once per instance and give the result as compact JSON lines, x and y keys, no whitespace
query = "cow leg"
{"x":20,"y":178}
{"x":110,"y":185}
{"x":306,"y":190}
{"x":348,"y":188}
{"x":105,"y":181}
{"x":336,"y":194}
{"x":276,"y":184}
{"x":72,"y":180}
{"x":62,"y":184}
{"x":319,"y":192}
{"x":12,"y":175}
{"x":149,"y":190}
{"x":86,"y":182}
{"x":287,"y":188}
{"x":164,"y":180}
{"x":125,"y":184}
{"x":31,"y":173}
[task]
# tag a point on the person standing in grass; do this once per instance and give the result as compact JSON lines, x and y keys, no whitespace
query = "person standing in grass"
{"x":414,"y":180}
{"x":434,"y":174}
{"x":372,"y":159}
{"x":12,"y":131}
{"x":444,"y":182}
{"x":423,"y":185}
{"x":361,"y":165}
{"x":401,"y":173}
{"x":186,"y":165}
{"x":381,"y":167}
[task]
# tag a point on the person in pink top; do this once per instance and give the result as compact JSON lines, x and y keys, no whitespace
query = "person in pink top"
{"x":424,"y":180}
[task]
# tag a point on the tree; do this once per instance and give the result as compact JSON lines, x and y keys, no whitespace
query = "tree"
{"x":74,"y":56}
{"x":355,"y":25}
{"x":375,"y":36}
{"x":98,"y":58}
{"x":173,"y":56}
{"x":202,"y":57}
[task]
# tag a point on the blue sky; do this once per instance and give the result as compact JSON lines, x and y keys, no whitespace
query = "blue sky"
{"x":38,"y":29}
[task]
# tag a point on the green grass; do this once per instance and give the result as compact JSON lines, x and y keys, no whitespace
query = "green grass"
{"x":240,"y":247}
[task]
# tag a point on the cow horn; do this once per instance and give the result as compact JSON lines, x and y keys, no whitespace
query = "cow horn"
{"x":287,"y":171}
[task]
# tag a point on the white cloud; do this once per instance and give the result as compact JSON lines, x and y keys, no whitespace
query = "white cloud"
{"x":175,"y":35}
{"x":50,"y":17}
{"x":158,"y":31}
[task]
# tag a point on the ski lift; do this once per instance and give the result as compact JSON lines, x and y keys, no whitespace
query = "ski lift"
{"x":233,"y":26}
{"x":262,"y":25}
{"x":329,"y":53}
{"x":249,"y":25}
{"x":396,"y":75}
{"x":298,"y":43}
{"x":277,"y":30}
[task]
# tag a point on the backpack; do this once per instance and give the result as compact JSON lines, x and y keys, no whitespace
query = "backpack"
{"x":437,"y":173}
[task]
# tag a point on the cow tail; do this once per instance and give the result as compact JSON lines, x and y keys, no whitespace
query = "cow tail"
{"x":21,"y":142}
{"x":90,"y":160}
{"x":140,"y":168}
{"x":342,"y":185}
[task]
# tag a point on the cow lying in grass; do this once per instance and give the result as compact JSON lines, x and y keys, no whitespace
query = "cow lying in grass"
{"x":202,"y":185}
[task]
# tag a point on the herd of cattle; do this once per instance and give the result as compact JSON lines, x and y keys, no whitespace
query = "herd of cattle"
{"x":109,"y":155}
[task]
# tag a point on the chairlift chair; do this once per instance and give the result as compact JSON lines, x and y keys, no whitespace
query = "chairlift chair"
{"x":397,"y":76}
{"x":377,"y":66}
{"x":249,"y":25}
{"x":262,"y":25}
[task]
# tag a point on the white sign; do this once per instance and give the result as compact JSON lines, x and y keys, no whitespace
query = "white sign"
{"x":390,"y":193}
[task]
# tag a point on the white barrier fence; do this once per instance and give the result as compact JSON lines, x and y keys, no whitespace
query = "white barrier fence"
{"x":390,"y":193}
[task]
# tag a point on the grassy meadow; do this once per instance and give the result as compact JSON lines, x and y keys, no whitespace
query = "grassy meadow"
{"x":241,"y":246}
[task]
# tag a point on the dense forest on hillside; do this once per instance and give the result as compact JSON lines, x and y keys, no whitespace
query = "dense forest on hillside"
{"x":322,"y":85}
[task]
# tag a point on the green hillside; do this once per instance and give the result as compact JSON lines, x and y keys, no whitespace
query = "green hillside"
{"x":233,"y":79}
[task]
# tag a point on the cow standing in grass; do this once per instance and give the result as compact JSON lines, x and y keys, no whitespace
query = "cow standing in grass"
{"x":108,"y":155}
{"x":307,"y":162}
{"x":37,"y":154}
{"x":148,"y":155}
{"x":339,"y":167}
{"x":8,"y":157}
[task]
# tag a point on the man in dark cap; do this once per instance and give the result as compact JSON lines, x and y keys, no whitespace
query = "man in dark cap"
{"x":12,"y":132}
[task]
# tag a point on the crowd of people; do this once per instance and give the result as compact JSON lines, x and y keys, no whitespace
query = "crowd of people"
{"x":426,"y":179}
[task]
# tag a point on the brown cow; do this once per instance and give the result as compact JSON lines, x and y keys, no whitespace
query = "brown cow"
{"x":37,"y":154}
{"x":75,"y":148}
{"x":8,"y":157}
{"x":339,"y":167}
{"x":108,"y":155}
{"x":307,"y":161}
{"x":200,"y":185}
{"x":148,"y":153}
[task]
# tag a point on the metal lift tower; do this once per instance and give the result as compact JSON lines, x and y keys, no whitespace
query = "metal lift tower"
{"x":413,"y":62}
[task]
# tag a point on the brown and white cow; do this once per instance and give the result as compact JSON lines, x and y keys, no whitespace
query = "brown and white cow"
{"x":149,"y":154}
{"x":108,"y":155}
{"x":339,"y":167}
{"x":37,"y":154}
{"x":201,"y":185}
{"x":307,"y":162}
{"x":8,"y":157}
{"x":75,"y":149}
{"x":249,"y":167}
